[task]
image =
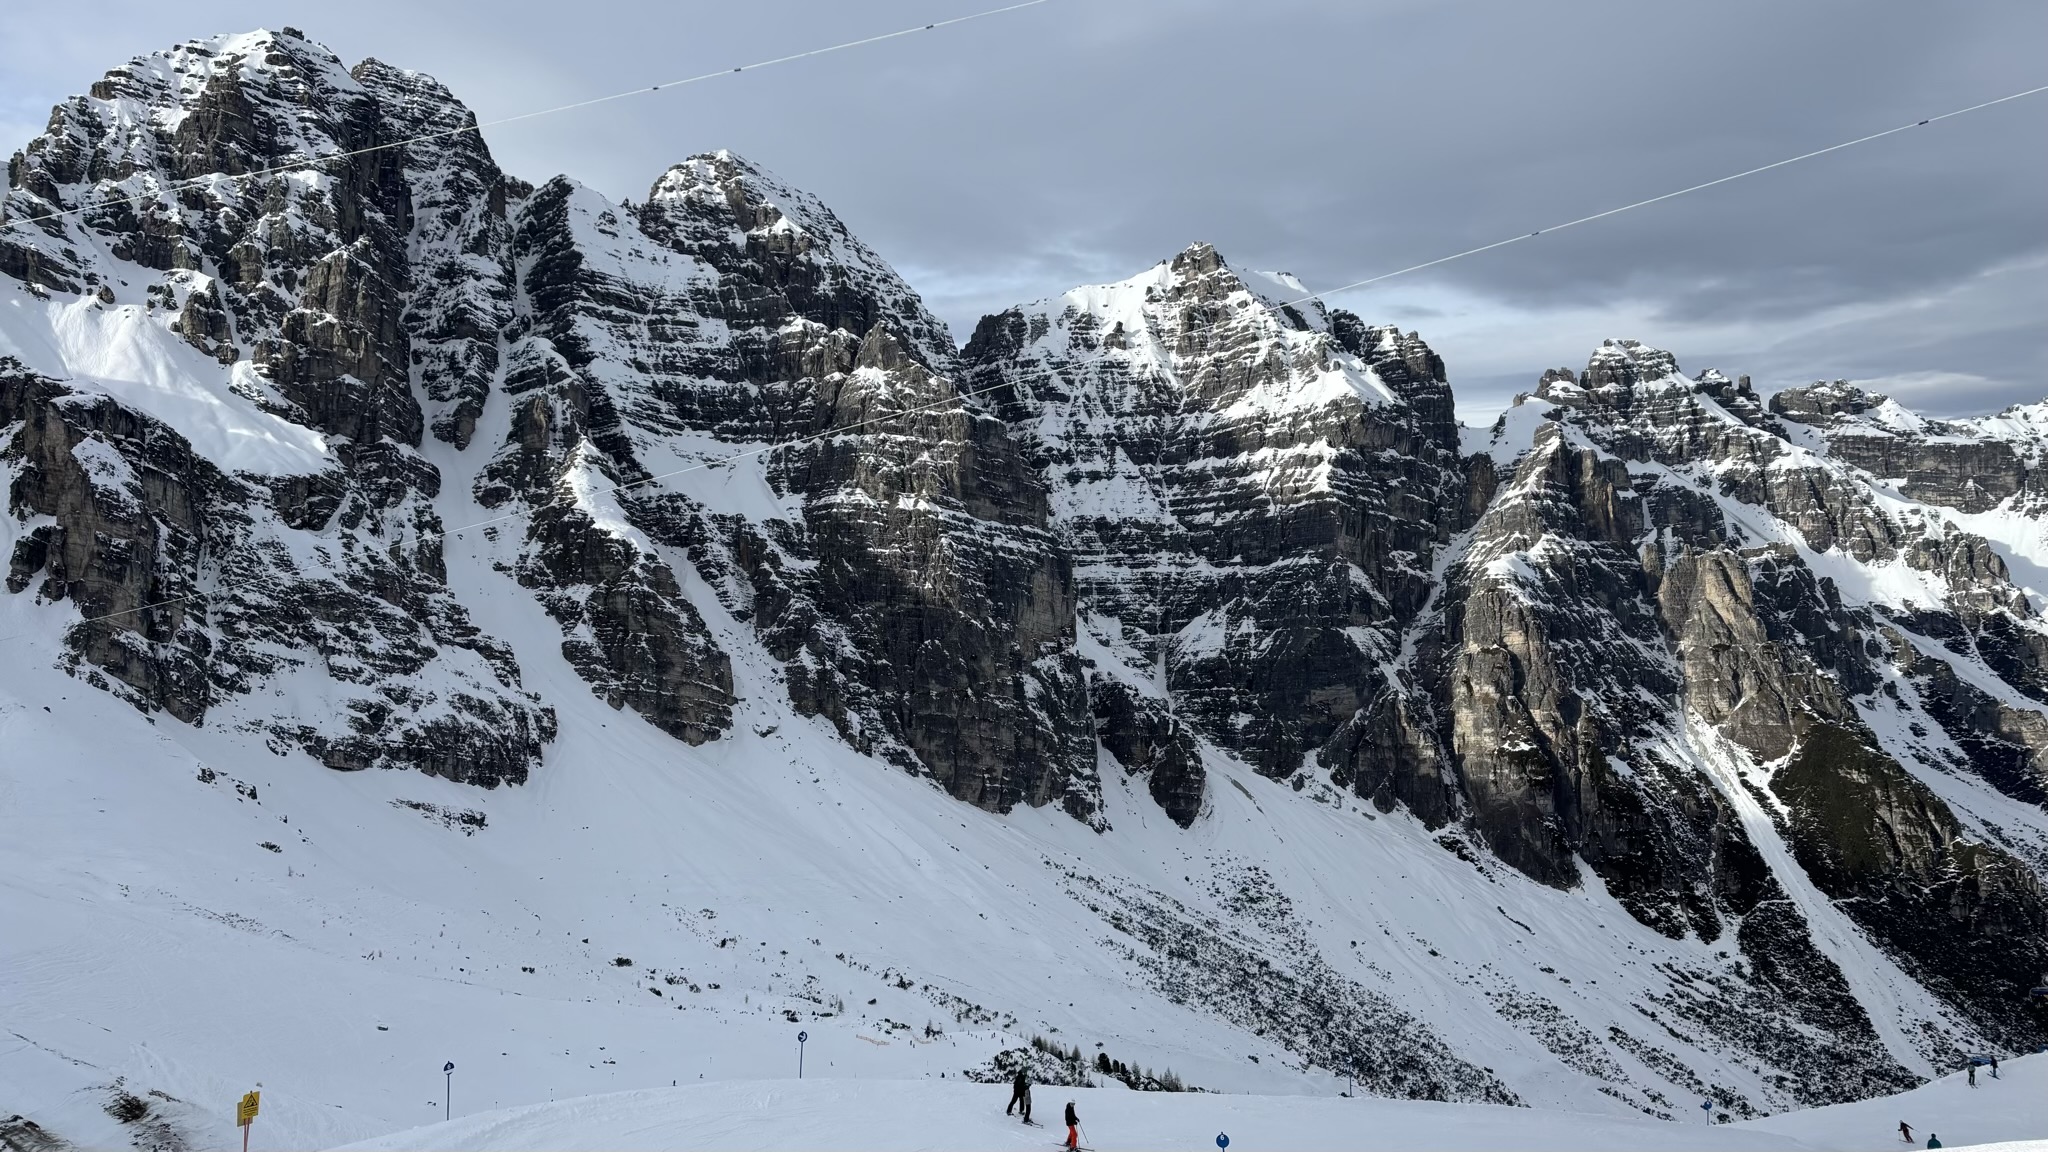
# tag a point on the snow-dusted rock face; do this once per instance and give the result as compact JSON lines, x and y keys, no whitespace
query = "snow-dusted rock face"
{"x":902,"y":570}
{"x":210,"y":417}
{"x":1253,"y":491}
{"x":896,"y":559}
{"x":1968,"y":465}
{"x":1737,"y":708}
{"x":1680,"y":603}
{"x":1561,"y":647}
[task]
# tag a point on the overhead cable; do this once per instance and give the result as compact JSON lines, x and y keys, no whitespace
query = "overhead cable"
{"x":466,"y":129}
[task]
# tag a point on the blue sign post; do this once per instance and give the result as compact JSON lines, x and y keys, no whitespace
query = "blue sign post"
{"x":448,"y":1090}
{"x":800,"y":1038}
{"x":1707,"y":1106}
{"x":1222,"y":1140}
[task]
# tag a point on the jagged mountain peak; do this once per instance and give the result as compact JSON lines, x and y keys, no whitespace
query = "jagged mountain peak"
{"x":260,"y":48}
{"x":1202,"y":433}
{"x":1821,"y":401}
{"x":719,"y":207}
{"x":1197,"y":275}
{"x":1237,"y":344}
{"x":1627,"y":380}
{"x":1614,"y":365}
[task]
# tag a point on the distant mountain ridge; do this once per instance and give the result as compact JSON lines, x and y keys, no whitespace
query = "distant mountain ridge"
{"x":1768,"y":673}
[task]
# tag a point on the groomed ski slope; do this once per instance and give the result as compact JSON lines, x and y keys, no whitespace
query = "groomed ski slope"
{"x":901,"y":1116}
{"x":2012,"y":1108}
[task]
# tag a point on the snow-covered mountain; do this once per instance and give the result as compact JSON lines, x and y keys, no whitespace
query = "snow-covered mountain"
{"x":1164,"y":673}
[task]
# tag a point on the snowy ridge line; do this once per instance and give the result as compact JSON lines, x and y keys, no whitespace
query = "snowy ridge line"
{"x":1315,"y":297}
{"x":312,"y":161}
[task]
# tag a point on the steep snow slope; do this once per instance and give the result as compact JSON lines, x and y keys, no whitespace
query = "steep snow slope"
{"x":148,"y":900}
{"x":163,"y":947}
{"x":145,"y":896}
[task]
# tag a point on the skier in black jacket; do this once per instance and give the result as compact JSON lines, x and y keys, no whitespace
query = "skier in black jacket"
{"x":1020,"y":1093}
{"x":1073,"y":1127}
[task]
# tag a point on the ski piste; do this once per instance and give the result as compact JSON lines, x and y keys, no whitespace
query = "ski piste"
{"x":841,"y":1116}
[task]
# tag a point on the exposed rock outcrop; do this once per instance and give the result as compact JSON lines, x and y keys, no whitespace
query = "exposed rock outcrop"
{"x":1244,"y":479}
{"x":894,"y":555}
{"x":303,"y":537}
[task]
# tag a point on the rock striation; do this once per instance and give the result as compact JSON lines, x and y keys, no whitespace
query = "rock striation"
{"x":1253,"y":488}
{"x":301,"y":542}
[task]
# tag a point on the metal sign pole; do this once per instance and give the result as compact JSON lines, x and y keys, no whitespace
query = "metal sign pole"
{"x":800,"y":1038}
{"x":245,"y":1114}
{"x":448,"y":1090}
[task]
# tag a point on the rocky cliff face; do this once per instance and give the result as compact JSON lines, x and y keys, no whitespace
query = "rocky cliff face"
{"x":897,"y":562}
{"x":299,"y":543}
{"x":1679,"y":586}
{"x":1584,"y":646}
{"x":890,"y":552}
{"x":1768,"y":676}
{"x":1253,"y":490}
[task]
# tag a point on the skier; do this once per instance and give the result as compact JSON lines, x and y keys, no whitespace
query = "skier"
{"x":1020,"y":1093}
{"x":1933,"y":1141}
{"x":1073,"y":1126}
{"x":1994,"y":1065}
{"x":1905,"y":1132}
{"x":1973,"y":1073}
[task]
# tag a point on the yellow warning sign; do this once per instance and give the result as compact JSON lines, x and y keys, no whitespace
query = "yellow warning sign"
{"x":246,"y":1110}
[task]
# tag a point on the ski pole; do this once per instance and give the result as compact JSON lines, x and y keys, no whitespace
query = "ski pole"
{"x":1084,"y":1134}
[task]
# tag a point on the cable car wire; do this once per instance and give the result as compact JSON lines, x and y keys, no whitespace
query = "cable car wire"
{"x":642,"y":90}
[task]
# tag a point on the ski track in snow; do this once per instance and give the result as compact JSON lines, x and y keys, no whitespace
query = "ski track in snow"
{"x":894,"y":1115}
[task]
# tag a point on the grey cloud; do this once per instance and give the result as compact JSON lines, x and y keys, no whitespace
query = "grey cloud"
{"x":1081,"y":141}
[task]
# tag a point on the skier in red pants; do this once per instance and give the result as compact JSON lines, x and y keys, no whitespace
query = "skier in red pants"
{"x":1073,"y":1127}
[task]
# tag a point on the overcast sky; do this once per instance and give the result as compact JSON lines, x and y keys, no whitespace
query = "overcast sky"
{"x":1083,"y":140}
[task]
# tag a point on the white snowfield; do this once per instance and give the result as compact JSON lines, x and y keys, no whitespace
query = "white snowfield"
{"x":184,"y":911}
{"x":2010,"y":1112}
{"x":903,"y":1116}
